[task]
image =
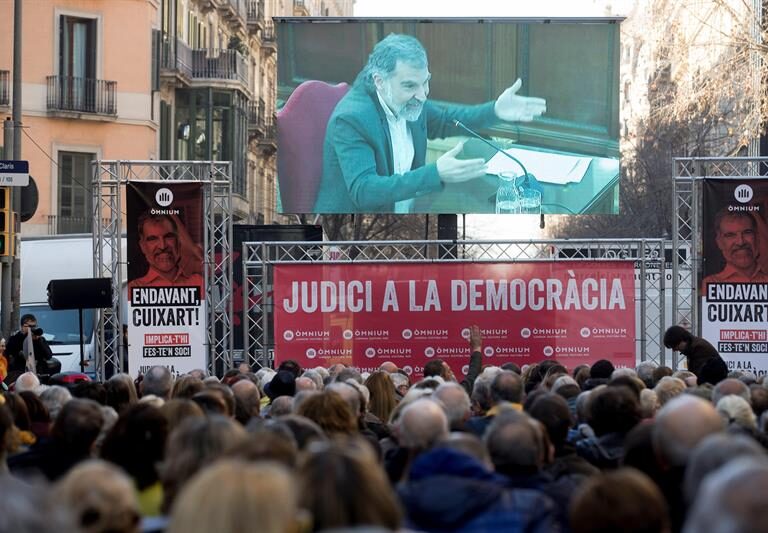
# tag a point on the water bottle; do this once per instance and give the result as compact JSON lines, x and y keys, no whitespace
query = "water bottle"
{"x":507,"y":195}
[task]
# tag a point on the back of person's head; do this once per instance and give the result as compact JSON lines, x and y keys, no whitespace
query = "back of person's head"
{"x":226,"y":394}
{"x":614,"y":410}
{"x":101,"y":497}
{"x":349,"y":373}
{"x":645,"y":373}
{"x":383,"y":397}
{"x":713,"y":452}
{"x":211,"y":402}
{"x":730,"y":386}
{"x":247,"y":400}
{"x":27,"y":381}
{"x":601,"y":369}
{"x":553,"y":412}
{"x":660,"y":372}
{"x":233,"y":496}
{"x":176,"y":410}
{"x":343,"y":486}
{"x":422,"y":424}
{"x":632,"y":383}
{"x":54,"y":398}
{"x":35,"y":407}
{"x":649,"y":403}
{"x":90,"y":390}
{"x":19,"y":411}
{"x":77,"y":426}
{"x":264,"y":443}
{"x":136,"y":443}
{"x":736,"y":411}
{"x":512,"y":367}
{"x":680,"y":425}
{"x":469,"y":444}
{"x":507,"y":387}
{"x":329,"y":410}
{"x":158,"y":381}
{"x":732,"y":499}
{"x":186,"y":386}
{"x":304,"y":430}
{"x":623,"y":500}
{"x":118,"y":395}
{"x":675,"y":335}
{"x":432,"y":368}
{"x":513,"y":444}
{"x":195,"y":443}
{"x":668,"y":388}
{"x":758,"y":399}
{"x":456,"y":403}
{"x":6,"y":429}
{"x":349,"y":393}
{"x":281,"y":406}
{"x":291,"y":366}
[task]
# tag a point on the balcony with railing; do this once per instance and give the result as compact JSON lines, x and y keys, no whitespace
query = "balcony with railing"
{"x":59,"y":225}
{"x":72,"y":94}
{"x":268,"y":37}
{"x":267,"y":134}
{"x":175,"y":58}
{"x":254,"y":124}
{"x":5,"y":84}
{"x":222,"y":65}
{"x":255,"y":9}
{"x":235,"y":11}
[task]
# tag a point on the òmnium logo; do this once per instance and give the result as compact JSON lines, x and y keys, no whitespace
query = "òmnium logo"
{"x":429,"y":351}
{"x":488,"y":351}
{"x":408,"y":369}
{"x":348,"y":334}
{"x":407,"y":334}
{"x":585,"y":332}
{"x":465,"y":333}
{"x":525,"y":333}
{"x":164,"y":197}
{"x":548,"y":351}
{"x":370,"y":352}
{"x":288,"y":335}
{"x":311,"y":353}
{"x":743,"y":193}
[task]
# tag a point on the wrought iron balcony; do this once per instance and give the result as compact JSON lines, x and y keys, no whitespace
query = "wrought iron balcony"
{"x":300,"y":8}
{"x":175,"y":57}
{"x":267,"y":135}
{"x":5,"y":84}
{"x":81,"y":95}
{"x":268,"y":34}
{"x":219,"y":65}
{"x":255,"y":15}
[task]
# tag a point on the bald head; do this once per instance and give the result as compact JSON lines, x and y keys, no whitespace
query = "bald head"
{"x":730,"y":386}
{"x":680,"y":425}
{"x":456,"y":403}
{"x":422,"y":424}
{"x":388,"y":366}
{"x":305,"y":384}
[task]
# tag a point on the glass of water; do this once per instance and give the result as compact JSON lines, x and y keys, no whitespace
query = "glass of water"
{"x":530,"y":201}
{"x":507,"y":195}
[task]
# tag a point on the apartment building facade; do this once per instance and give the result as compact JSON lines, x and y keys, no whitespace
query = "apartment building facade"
{"x":147,"y":80}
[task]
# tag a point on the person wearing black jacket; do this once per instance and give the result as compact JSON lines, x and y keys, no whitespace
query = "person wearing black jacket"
{"x":14,"y":351}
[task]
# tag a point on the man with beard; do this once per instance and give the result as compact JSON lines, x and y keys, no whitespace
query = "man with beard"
{"x":159,"y":242}
{"x":376,"y":140}
{"x":736,"y":237}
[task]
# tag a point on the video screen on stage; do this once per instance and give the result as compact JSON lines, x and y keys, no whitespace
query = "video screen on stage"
{"x":448,"y":116}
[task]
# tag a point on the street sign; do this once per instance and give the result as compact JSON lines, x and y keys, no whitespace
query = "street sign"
{"x":14,"y":173}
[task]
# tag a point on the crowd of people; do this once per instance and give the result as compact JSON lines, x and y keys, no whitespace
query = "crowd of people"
{"x":539,"y":448}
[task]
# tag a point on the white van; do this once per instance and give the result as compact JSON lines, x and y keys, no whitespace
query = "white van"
{"x":58,"y":257}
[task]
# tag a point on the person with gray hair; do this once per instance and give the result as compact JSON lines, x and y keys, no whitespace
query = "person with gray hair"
{"x":54,"y":398}
{"x":506,"y":388}
{"x":315,"y":376}
{"x":735,"y":410}
{"x":158,"y":381}
{"x":374,"y":154}
{"x":456,"y":403}
{"x":27,"y":381}
{"x":645,"y":372}
{"x":732,"y":499}
{"x":730,"y":386}
{"x":668,"y":388}
{"x":712,"y":453}
{"x":422,"y":424}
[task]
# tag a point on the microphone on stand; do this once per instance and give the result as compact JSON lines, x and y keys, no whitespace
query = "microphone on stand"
{"x":473,"y":133}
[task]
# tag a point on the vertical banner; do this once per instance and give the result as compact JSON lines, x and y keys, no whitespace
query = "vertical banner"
{"x":363,"y":315}
{"x":166,"y":291}
{"x":735,"y":267}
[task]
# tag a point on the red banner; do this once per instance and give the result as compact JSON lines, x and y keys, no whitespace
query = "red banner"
{"x":363,"y":315}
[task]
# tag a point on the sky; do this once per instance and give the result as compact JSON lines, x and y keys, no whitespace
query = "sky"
{"x":494,"y":227}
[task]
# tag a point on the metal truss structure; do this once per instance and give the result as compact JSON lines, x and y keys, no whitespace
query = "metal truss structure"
{"x":109,"y":180}
{"x":260,"y":257}
{"x":690,"y":172}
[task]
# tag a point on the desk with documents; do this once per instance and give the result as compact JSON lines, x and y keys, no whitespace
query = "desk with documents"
{"x":595,"y":193}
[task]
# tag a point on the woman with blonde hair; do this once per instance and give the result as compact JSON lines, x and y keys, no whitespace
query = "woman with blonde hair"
{"x":233,"y":496}
{"x":101,"y":497}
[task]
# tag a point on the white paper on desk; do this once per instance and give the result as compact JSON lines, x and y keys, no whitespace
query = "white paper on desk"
{"x":545,"y":167}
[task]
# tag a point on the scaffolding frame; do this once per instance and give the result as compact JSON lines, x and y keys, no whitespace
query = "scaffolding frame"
{"x":260,"y":257}
{"x":689,"y":175}
{"x":109,"y":180}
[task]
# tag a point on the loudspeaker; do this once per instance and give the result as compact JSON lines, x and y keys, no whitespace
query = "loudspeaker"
{"x":447,"y":230}
{"x":85,"y":293}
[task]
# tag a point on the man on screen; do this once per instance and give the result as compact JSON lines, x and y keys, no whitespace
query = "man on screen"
{"x":376,"y":140}
{"x":159,"y":242}
{"x":737,"y":238}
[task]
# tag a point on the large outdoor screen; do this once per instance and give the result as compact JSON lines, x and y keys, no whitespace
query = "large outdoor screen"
{"x":448,"y":116}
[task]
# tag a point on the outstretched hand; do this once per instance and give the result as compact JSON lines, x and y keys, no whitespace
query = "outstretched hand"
{"x":475,"y":338}
{"x":453,"y":170}
{"x":511,"y":107}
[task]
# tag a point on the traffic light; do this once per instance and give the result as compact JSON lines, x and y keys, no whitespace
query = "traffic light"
{"x":6,"y":222}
